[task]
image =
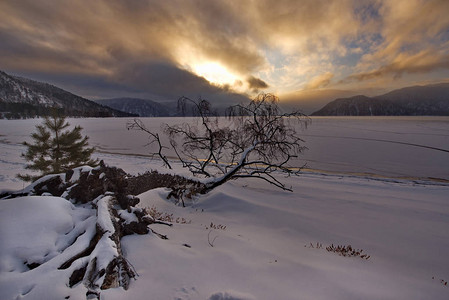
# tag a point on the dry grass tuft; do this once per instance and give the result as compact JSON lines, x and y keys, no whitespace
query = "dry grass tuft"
{"x":166,"y":217}
{"x":346,"y":251}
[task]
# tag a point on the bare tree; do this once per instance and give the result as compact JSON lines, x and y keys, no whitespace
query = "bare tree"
{"x":253,"y":141}
{"x":137,"y":124}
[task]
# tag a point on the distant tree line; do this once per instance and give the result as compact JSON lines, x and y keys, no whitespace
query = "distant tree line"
{"x":10,"y":110}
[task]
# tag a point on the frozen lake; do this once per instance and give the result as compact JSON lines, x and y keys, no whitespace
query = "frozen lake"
{"x":386,"y":146}
{"x":266,"y":250}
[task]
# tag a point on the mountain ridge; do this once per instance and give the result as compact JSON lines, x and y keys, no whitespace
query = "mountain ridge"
{"x":26,"y":98}
{"x":432,"y":100}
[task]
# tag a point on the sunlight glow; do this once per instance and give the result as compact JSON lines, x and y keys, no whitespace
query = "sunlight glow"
{"x":215,"y":73}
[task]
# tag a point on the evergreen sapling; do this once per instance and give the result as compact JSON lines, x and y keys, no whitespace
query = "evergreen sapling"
{"x":56,"y":150}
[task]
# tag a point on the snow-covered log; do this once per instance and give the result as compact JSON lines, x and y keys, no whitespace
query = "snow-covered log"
{"x":94,"y":256}
{"x":106,"y":266}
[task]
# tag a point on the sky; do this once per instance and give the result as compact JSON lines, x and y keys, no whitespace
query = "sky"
{"x":225,"y":51}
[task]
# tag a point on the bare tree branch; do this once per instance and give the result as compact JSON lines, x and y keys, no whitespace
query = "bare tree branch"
{"x":154,"y":138}
{"x":255,"y":140}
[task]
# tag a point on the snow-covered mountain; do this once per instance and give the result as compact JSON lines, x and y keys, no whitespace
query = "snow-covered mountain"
{"x":21,"y":98}
{"x":140,"y":107}
{"x":431,"y":100}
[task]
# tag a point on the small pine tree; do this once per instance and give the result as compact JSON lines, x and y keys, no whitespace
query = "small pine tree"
{"x":55,"y":150}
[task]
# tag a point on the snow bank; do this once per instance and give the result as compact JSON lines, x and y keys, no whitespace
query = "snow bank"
{"x":264,"y":252}
{"x":31,"y":229}
{"x":37,"y":234}
{"x":246,"y":240}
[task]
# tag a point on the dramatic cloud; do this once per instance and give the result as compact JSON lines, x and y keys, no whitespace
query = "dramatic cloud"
{"x":422,"y":62}
{"x":319,"y":81}
{"x":256,"y":84}
{"x":165,"y":49}
{"x":414,"y":39}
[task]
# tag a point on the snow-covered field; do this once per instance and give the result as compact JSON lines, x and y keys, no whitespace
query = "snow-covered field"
{"x":261,"y":236}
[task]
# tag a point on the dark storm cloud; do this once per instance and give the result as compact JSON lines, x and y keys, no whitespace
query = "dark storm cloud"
{"x":165,"y":79}
{"x":256,"y":84}
{"x":114,"y":40}
{"x":152,"y":29}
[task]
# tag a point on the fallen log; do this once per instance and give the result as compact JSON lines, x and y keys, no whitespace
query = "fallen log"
{"x":98,"y":261}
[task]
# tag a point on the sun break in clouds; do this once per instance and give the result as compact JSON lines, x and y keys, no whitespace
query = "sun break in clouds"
{"x":225,"y":49}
